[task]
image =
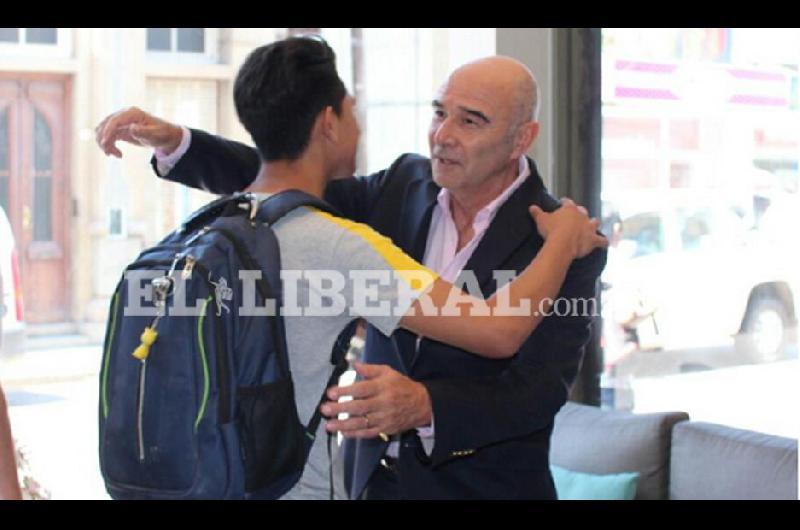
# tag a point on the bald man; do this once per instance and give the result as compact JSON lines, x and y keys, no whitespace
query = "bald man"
{"x":462,"y":427}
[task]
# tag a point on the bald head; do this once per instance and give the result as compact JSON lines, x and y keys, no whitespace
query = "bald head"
{"x":505,"y":78}
{"x":483,"y":122}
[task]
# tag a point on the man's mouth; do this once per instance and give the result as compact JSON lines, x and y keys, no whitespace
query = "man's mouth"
{"x":446,"y":161}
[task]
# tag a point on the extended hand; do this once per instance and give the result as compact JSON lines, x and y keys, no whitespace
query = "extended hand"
{"x":384,"y":402}
{"x":135,"y":126}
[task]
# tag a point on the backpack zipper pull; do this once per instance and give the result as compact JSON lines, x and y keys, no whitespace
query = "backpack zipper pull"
{"x":161,"y":287}
{"x":148,"y":337}
{"x":188,"y":267}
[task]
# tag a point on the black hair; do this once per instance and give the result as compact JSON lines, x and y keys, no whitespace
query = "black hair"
{"x":280,"y":90}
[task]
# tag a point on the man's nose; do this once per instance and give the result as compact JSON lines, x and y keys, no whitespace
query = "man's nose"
{"x":443,"y":133}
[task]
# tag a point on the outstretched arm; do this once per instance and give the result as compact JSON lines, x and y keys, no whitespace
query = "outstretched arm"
{"x":211,"y":163}
{"x":489,"y":327}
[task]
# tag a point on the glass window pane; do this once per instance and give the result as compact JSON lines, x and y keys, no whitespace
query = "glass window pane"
{"x":294,"y":32}
{"x":4,"y":159}
{"x":42,"y":209}
{"x":42,"y":144}
{"x":115,"y":222}
{"x":701,"y":130}
{"x":191,"y":40}
{"x":695,"y":230}
{"x":158,"y":39}
{"x":4,"y":139}
{"x":9,"y":34}
{"x":41,"y":35}
{"x":645,"y":234}
{"x":4,"y":192}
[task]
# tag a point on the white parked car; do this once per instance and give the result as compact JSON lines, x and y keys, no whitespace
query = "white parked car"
{"x":12,"y":322}
{"x":705,"y":277}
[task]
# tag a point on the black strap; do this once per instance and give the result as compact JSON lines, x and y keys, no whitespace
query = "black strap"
{"x":278,"y":205}
{"x":338,"y":370}
{"x":330,"y":465}
{"x":223,"y":206}
{"x":270,"y":210}
{"x":339,"y":359}
{"x":315,"y":420}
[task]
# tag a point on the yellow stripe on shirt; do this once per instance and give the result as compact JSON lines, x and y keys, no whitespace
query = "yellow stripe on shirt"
{"x":417,"y":276}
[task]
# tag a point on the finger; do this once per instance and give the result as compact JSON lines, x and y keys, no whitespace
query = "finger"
{"x":117,"y":125}
{"x":352,"y":424}
{"x":99,"y":136}
{"x":566,"y":201}
{"x":98,"y":131}
{"x":109,"y":139}
{"x":583,"y":210}
{"x":355,"y":407}
{"x":370,"y":371}
{"x":364,"y":433}
{"x":109,"y":147}
{"x":600,"y":241}
{"x":111,"y":125}
{"x":358,"y":390}
{"x":535,"y":211}
{"x":343,"y":426}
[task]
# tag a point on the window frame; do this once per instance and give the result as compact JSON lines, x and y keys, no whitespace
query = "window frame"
{"x":209,"y":55}
{"x":61,"y":49}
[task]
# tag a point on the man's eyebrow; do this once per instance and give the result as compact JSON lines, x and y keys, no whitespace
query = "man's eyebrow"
{"x":476,"y":113}
{"x":472,"y":112}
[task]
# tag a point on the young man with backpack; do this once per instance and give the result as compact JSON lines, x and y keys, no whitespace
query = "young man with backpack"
{"x":292,"y":102}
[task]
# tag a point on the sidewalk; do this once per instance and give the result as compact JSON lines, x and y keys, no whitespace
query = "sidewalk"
{"x":51,"y":365}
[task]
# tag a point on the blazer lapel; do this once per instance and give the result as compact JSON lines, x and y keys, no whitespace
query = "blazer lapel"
{"x":415,"y":220}
{"x":511,"y":226}
{"x":415,"y":223}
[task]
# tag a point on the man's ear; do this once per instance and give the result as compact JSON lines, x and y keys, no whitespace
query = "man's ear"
{"x":526,"y":135}
{"x":329,"y":124}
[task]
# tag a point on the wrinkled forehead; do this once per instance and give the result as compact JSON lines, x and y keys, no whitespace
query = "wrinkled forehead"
{"x":467,"y":89}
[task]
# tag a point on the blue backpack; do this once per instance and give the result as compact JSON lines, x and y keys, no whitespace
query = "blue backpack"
{"x":202,"y":406}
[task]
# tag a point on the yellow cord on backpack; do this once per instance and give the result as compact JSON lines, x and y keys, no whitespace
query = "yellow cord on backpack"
{"x":149,"y":336}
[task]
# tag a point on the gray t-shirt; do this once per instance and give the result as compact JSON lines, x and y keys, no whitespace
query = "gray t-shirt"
{"x":312,"y":241}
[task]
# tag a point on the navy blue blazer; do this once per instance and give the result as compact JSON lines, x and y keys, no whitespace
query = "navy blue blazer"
{"x":493,"y":418}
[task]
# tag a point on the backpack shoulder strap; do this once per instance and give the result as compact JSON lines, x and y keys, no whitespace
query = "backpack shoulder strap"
{"x":280,"y":204}
{"x":227,"y":205}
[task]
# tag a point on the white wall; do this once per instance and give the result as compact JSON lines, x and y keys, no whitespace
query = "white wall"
{"x":534,"y":47}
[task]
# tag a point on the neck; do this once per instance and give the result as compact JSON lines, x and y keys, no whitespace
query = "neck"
{"x":302,"y":174}
{"x":465,"y":203}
